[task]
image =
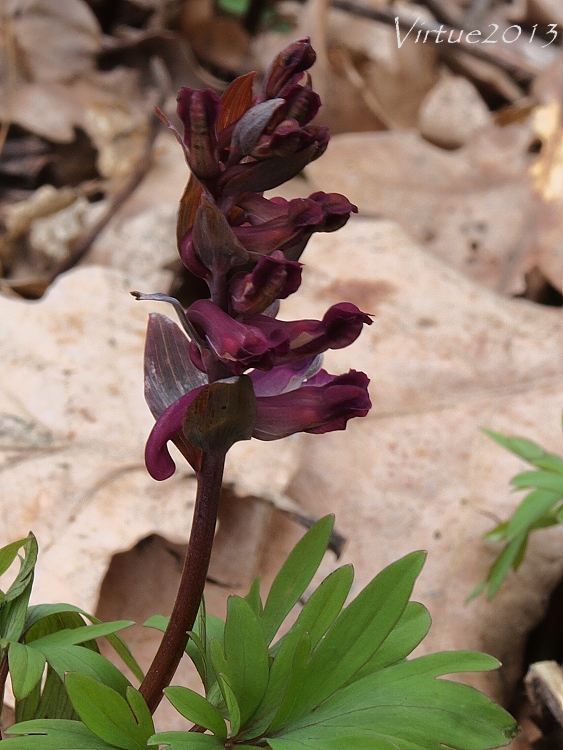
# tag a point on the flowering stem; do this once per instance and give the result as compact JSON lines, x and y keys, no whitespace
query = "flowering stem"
{"x":194,"y":573}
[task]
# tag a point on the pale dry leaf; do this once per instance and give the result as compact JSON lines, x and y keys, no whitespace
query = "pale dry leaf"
{"x":73,"y":424}
{"x":452,"y":112}
{"x":54,"y":41}
{"x":473,"y":207}
{"x":445,"y":357}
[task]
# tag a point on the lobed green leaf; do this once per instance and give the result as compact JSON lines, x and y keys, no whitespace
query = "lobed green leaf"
{"x":197,"y":709}
{"x":295,"y":575}
{"x":54,"y":734}
{"x":26,"y":668}
{"x":106,"y":713}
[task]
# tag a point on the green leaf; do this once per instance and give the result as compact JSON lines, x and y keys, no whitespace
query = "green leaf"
{"x":141,"y":711}
{"x":315,"y":618}
{"x":207,"y":627}
{"x":529,"y":451}
{"x":231,"y":703}
{"x":253,"y":598}
{"x":73,"y":636}
{"x":295,"y":575}
{"x":186,"y":741}
{"x":53,"y":734}
{"x":358,"y":632}
{"x":50,"y":702}
{"x":508,"y":558}
{"x":544,"y":480}
{"x":25,"y":575}
{"x":80,"y":659}
{"x":406,"y":706}
{"x":197,"y":709}
{"x":536,"y":504}
{"x":13,"y":613}
{"x":289,"y":704}
{"x":247,"y":659}
{"x":105,"y":712}
{"x":9,"y":553}
{"x":407,"y":634}
{"x":26,"y":668}
{"x":41,"y":611}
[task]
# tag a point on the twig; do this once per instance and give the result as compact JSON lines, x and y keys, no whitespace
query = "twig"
{"x":192,"y":583}
{"x":522,"y":70}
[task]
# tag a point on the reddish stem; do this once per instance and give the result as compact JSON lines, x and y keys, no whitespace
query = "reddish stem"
{"x":192,"y":583}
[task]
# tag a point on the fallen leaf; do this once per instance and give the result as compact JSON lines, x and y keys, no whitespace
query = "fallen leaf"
{"x":452,"y":111}
{"x":473,"y":208}
{"x":73,"y":423}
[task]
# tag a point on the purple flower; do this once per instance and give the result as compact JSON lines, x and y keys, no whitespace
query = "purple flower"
{"x":273,"y":277}
{"x":296,"y":397}
{"x":239,"y":371}
{"x":263,"y":342}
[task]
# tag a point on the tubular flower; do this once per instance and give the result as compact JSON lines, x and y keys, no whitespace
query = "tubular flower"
{"x":236,"y":371}
{"x":290,"y":398}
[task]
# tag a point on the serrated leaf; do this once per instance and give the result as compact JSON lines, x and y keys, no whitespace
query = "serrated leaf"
{"x":197,"y":709}
{"x":358,"y":632}
{"x":54,"y":734}
{"x":406,"y":705}
{"x":105,"y":712}
{"x":26,"y":668}
{"x":246,"y":654}
{"x":186,"y":741}
{"x":295,"y":575}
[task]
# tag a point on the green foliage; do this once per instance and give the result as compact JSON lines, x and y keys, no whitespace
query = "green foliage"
{"x":42,"y":644}
{"x":339,"y":677}
{"x":542,"y":507}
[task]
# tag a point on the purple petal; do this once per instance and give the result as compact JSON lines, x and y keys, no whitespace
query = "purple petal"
{"x":313,"y":408}
{"x":285,"y":377}
{"x":199,"y":111}
{"x":169,"y":372}
{"x":272,"y":278}
{"x":157,"y":458}
{"x":290,"y":63}
{"x":340,"y":326}
{"x":238,"y":345}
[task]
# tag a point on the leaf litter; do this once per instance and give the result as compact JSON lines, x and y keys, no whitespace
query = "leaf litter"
{"x":463,"y":153}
